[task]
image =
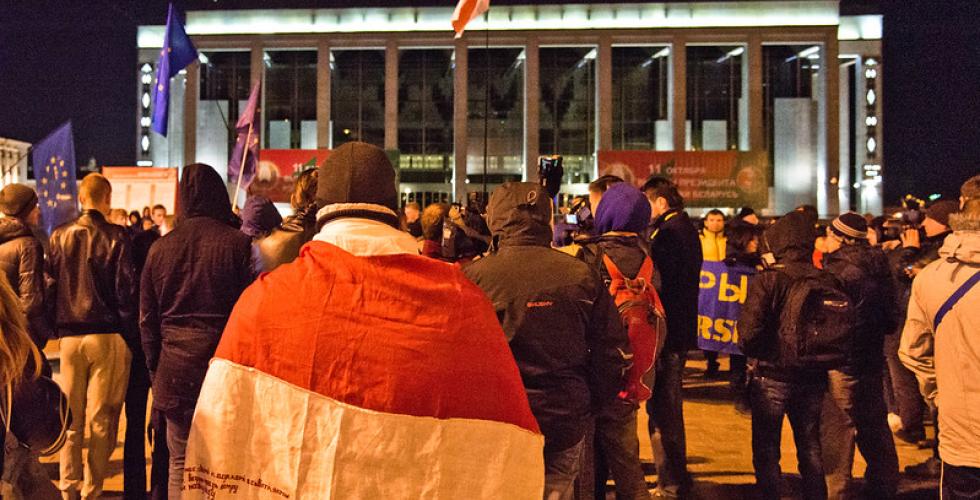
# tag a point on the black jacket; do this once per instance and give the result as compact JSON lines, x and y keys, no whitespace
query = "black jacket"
{"x":902,"y":259}
{"x":626,"y":252}
{"x":676,"y":250}
{"x":790,"y":241}
{"x":22,"y":262}
{"x":192,"y":279}
{"x":282,"y":245}
{"x":91,"y":271}
{"x":560,"y":320}
{"x":864,"y":274}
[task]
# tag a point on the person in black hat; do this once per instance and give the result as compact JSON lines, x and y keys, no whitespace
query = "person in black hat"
{"x":22,"y":256}
{"x":854,"y":409}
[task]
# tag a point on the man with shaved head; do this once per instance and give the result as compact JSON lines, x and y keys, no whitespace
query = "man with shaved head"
{"x":91,"y":267}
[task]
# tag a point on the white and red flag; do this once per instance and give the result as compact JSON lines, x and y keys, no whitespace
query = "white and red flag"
{"x":368,"y":376}
{"x":466,"y":11}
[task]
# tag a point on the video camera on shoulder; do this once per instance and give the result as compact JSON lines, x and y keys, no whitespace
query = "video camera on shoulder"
{"x":550,"y":173}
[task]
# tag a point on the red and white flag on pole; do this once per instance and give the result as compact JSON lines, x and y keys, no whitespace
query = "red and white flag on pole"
{"x":466,"y":11}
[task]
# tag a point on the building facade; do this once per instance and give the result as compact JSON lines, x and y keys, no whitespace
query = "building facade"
{"x":796,"y":80}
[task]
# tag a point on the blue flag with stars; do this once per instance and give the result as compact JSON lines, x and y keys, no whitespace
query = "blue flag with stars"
{"x":54,"y":171}
{"x":176,"y":54}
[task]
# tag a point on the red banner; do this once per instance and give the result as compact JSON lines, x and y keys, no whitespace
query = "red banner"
{"x":704,"y":178}
{"x":278,"y":169}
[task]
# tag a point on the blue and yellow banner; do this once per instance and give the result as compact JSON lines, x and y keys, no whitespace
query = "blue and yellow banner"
{"x":723,"y":291}
{"x":54,"y":170}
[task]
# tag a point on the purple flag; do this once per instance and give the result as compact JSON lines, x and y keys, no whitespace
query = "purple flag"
{"x":247,"y":143}
{"x":176,"y":54}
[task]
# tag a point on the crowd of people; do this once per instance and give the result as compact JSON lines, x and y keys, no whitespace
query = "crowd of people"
{"x":357,"y":348}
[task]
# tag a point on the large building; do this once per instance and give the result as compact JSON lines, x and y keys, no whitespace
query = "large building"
{"x":795,"y":82}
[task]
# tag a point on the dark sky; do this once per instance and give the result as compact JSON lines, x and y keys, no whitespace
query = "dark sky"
{"x":77,"y":60}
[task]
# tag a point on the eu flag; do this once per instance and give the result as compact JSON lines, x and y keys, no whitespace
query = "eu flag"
{"x":177,"y":53}
{"x":54,"y":171}
{"x":245,"y":156}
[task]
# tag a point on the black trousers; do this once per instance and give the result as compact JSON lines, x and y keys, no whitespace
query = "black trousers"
{"x":134,"y":447}
{"x":906,"y":401}
{"x":960,"y":483}
{"x":666,"y":425}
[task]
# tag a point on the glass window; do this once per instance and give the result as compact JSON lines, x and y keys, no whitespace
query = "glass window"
{"x":357,"y":96}
{"x":503,"y":69}
{"x":225,"y":84}
{"x":425,"y":109}
{"x":290,"y":99}
{"x":568,"y":108}
{"x":641,"y":98}
{"x":717,"y":109}
{"x":790,"y":116}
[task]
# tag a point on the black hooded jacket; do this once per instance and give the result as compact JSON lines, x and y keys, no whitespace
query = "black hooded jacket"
{"x":865,"y":276}
{"x":676,"y":249}
{"x":790,"y":241}
{"x":22,"y":262}
{"x":561,"y":322}
{"x":192,"y":279}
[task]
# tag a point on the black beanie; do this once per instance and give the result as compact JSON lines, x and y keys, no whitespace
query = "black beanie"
{"x":17,"y":200}
{"x":357,"y":173}
{"x":850,"y":225}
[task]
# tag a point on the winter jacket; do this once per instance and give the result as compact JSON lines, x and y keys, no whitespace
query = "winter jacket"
{"x":947,"y":358}
{"x":675,"y":248}
{"x":902,"y":259}
{"x":865,"y":276}
{"x":563,"y":327}
{"x":283,"y":244}
{"x":790,"y":241}
{"x":192,"y":279}
{"x":91,"y":270}
{"x":712,"y":245}
{"x":22,"y":262}
{"x":362,"y":370}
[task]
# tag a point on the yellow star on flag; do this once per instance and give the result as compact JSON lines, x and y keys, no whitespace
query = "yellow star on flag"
{"x":64,"y":185}
{"x":53,"y":160}
{"x":61,"y":163}
{"x":44,"y":180}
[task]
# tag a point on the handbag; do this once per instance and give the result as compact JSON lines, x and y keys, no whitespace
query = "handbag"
{"x":37,"y":414}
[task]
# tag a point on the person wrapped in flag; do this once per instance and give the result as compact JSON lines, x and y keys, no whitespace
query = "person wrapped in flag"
{"x":363,"y":370}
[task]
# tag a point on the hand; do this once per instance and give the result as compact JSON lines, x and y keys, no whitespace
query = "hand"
{"x":910,"y":238}
{"x":890,"y":245}
{"x":912,"y":272}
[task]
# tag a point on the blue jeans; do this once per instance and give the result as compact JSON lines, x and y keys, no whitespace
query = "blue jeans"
{"x":617,"y":451}
{"x":960,"y":483}
{"x":560,"y":470}
{"x":771,"y":400}
{"x":178,"y":428}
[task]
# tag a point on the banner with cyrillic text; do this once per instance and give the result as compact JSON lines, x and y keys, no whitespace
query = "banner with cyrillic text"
{"x":722,"y":293}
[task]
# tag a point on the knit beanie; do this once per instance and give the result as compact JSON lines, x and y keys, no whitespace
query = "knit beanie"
{"x":357,"y":180}
{"x":17,"y":200}
{"x":940,"y":211}
{"x":850,"y":225}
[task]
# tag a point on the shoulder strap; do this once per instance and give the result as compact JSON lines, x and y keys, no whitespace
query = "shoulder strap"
{"x":614,"y":271}
{"x":953,"y":299}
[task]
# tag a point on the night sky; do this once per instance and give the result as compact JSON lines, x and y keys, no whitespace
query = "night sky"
{"x":77,"y":60}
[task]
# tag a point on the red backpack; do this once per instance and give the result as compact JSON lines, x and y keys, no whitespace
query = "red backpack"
{"x":643,"y":316}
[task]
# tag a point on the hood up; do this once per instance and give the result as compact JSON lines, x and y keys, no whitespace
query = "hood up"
{"x":11,"y":228}
{"x":259,"y":216}
{"x":791,"y":238}
{"x":203,"y":193}
{"x":520,"y":214}
{"x":964,"y":244}
{"x":622,"y":208}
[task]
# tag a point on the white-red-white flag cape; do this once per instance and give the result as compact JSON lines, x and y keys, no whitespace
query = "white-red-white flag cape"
{"x":466,"y":11}
{"x":380,"y":377}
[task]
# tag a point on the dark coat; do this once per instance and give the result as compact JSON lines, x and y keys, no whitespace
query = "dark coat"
{"x":676,"y":251}
{"x":864,"y":275}
{"x":22,"y":262}
{"x":192,"y":279}
{"x":283,"y":244}
{"x":561,"y":322}
{"x":94,"y":281}
{"x":901,"y":259}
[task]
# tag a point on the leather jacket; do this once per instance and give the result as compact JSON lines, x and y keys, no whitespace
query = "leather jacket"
{"x":90,"y":265}
{"x":22,"y":262}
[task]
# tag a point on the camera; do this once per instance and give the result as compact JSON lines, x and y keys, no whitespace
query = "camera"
{"x":550,"y":173}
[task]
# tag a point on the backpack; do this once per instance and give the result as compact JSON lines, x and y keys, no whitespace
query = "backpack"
{"x":643,"y":316}
{"x":816,"y":325}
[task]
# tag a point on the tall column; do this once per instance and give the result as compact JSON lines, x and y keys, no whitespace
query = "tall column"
{"x":460,"y":96}
{"x":604,"y":95}
{"x":191,"y":93}
{"x":532,"y":107}
{"x":323,"y":94}
{"x":757,"y":132}
{"x":391,"y":95}
{"x":678,"y":90}
{"x":832,"y":77}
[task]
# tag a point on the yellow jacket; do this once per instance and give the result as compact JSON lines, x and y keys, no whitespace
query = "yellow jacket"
{"x":713,"y":245}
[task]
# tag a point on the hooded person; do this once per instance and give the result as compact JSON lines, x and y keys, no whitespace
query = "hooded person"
{"x":777,"y":389}
{"x":390,"y":374}
{"x":620,"y":220}
{"x":259,"y":218}
{"x":192,"y":279}
{"x":561,"y":322}
{"x":22,"y":257}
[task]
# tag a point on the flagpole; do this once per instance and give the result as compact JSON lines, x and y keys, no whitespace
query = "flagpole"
{"x":486,"y":114}
{"x":241,"y":169}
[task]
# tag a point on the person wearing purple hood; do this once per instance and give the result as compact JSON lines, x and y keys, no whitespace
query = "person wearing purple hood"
{"x":621,"y":216}
{"x":259,"y":218}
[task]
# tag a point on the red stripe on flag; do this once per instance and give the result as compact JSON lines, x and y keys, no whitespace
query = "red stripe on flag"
{"x":466,"y":11}
{"x":398,"y":334}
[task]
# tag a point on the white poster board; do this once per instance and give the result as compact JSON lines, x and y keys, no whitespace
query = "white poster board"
{"x":136,"y":187}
